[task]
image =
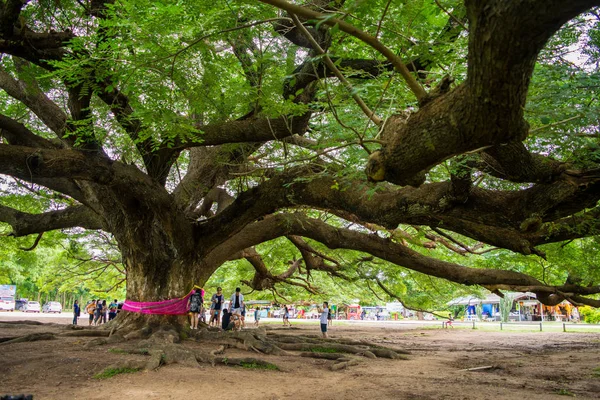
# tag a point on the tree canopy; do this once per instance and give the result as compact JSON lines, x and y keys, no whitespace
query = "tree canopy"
{"x":402,"y":147}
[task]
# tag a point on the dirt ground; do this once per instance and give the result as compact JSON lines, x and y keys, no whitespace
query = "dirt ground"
{"x":535,"y":365}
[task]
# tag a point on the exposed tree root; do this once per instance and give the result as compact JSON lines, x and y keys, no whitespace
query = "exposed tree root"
{"x":26,"y":323}
{"x":343,"y":364}
{"x":325,"y":356}
{"x":34,"y":337}
{"x":87,"y":333}
{"x":247,"y":362}
{"x":245,"y":340}
{"x":315,"y":343}
{"x":159,"y":343}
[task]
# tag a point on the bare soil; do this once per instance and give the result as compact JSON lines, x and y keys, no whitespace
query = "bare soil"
{"x":536,"y":365}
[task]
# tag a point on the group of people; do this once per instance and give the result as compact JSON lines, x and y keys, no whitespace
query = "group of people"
{"x":97,"y":311}
{"x":234,"y":316}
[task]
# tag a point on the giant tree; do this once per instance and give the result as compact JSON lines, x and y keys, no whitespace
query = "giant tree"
{"x":194,"y":132}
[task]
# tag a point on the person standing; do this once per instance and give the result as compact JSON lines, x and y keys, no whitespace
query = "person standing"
{"x":98,"y":313}
{"x":194,"y":305}
{"x":112,"y":310}
{"x":256,"y":316}
{"x":202,"y":314}
{"x":330,"y":317}
{"x":91,"y":309}
{"x":216,"y":306}
{"x":286,"y":316}
{"x":237,"y":302}
{"x":324,"y":315}
{"x":104,"y":311}
{"x":76,"y":312}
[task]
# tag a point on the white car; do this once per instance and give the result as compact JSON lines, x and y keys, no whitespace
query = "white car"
{"x":52,"y":306}
{"x":7,"y":303}
{"x":31,"y":306}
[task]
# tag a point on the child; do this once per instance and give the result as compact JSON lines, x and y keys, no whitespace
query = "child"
{"x":256,"y":317}
{"x":450,"y":320}
{"x":112,"y":310}
{"x":226,"y":319}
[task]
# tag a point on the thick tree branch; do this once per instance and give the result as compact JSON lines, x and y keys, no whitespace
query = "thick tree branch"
{"x":24,"y":224}
{"x":297,"y":224}
{"x":500,"y":218}
{"x":248,"y":131}
{"x":18,"y":134}
{"x":50,"y":114}
{"x":35,"y":165}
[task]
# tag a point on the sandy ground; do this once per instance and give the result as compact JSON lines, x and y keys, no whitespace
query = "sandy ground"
{"x":532,"y":365}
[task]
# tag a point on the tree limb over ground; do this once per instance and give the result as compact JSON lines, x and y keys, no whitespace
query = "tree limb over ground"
{"x":191,"y":154}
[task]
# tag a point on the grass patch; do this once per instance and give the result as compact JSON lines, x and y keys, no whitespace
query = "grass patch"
{"x":596,"y":372}
{"x":141,"y":352}
{"x":110,"y":372}
{"x":118,"y":351}
{"x":565,"y":392}
{"x":253,"y":365}
{"x":324,"y":350}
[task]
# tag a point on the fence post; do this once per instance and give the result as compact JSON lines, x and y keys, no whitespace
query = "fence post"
{"x":540,"y":326}
{"x":500,"y":325}
{"x":473,"y":324}
{"x":564,"y":327}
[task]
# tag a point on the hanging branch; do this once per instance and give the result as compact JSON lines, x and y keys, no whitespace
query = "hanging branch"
{"x":37,"y":241}
{"x":451,"y":16}
{"x":363,"y":106}
{"x":327,"y":19}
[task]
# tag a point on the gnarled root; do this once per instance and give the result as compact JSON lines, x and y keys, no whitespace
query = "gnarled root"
{"x":34,"y":337}
{"x":245,"y":340}
{"x":87,"y":333}
{"x":317,"y":344}
{"x":343,"y":364}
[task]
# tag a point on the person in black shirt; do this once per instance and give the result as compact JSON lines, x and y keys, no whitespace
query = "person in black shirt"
{"x":98,"y":313}
{"x":195,"y":305}
{"x":76,"y":312}
{"x":216,"y":305}
{"x":226,"y":322}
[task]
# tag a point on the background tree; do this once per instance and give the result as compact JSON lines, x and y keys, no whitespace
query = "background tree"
{"x":192,"y":133}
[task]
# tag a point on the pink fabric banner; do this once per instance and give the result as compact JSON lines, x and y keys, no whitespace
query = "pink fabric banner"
{"x":166,"y":307}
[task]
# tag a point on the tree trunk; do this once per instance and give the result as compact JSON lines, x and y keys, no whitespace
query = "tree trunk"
{"x":162,"y":260}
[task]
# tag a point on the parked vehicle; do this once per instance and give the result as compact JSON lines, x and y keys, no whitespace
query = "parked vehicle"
{"x":353,"y":312}
{"x":52,"y":306}
{"x":20,"y":304}
{"x":7,"y":303}
{"x":32,"y":306}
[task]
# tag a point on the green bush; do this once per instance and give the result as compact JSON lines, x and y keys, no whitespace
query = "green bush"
{"x":590,"y":315}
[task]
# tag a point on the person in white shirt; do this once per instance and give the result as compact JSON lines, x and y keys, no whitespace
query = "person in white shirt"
{"x":324,"y":315}
{"x":237,"y":302}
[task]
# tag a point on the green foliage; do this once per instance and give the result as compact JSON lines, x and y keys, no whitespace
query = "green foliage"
{"x":173,"y":61}
{"x":254,"y":365}
{"x":110,"y":372}
{"x":589,"y":314}
{"x":506,"y":304}
{"x":565,"y":392}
